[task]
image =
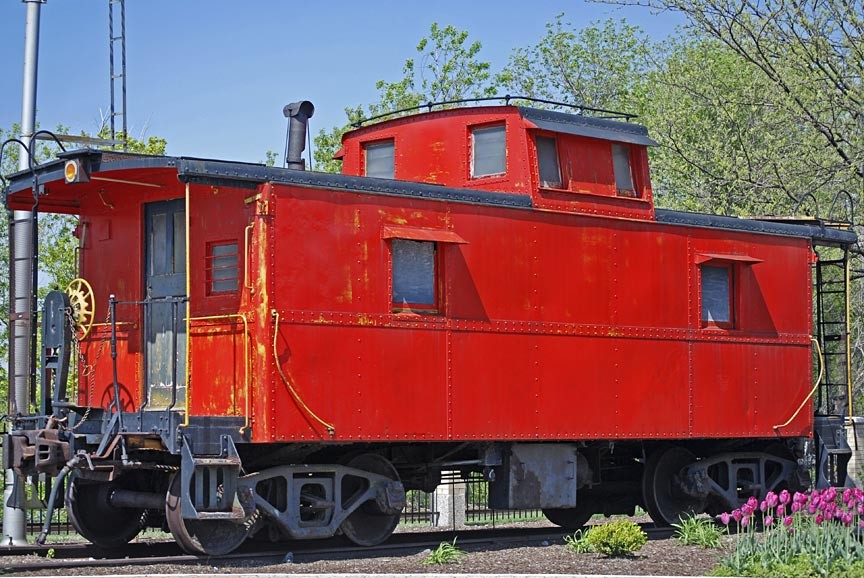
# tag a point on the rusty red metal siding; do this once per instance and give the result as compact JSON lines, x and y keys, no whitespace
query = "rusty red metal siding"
{"x":553,"y":326}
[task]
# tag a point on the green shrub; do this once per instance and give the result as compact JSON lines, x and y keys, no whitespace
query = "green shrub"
{"x":699,"y":532}
{"x":445,"y":553}
{"x":578,"y":542}
{"x":617,"y":538}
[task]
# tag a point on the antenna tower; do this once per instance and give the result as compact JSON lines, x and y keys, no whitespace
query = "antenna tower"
{"x":122,"y":75}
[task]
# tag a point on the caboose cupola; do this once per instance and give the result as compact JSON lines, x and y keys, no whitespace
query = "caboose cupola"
{"x":564,"y":161}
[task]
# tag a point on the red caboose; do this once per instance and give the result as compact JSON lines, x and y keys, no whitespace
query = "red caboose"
{"x":485,"y":289}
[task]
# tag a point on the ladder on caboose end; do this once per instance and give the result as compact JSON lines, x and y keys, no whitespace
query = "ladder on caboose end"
{"x":831,"y":278}
{"x":832,"y":406}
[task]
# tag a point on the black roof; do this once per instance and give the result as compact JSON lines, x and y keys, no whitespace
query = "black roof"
{"x":250,"y":175}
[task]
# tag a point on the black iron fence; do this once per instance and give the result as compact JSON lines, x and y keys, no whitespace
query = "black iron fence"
{"x":36,"y":491}
{"x":442,"y":509}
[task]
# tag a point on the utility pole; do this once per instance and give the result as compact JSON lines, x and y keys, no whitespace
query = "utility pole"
{"x":15,"y":518}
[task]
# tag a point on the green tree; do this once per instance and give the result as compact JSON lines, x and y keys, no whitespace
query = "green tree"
{"x":603,"y":65}
{"x":810,"y":59}
{"x":447,"y":67}
{"x":726,"y":145}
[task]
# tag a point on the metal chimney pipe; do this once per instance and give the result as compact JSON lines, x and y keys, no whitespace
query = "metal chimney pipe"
{"x":14,"y":518}
{"x":298,"y":114}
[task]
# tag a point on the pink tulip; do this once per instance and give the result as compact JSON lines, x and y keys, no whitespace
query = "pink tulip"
{"x":769,"y":520}
{"x":816,"y":499}
{"x":763,"y":506}
{"x":736,"y":513}
{"x":781,"y":510}
{"x":747,"y":509}
{"x":819,"y":519}
{"x":771,"y":499}
{"x":830,"y":494}
{"x":744,"y":522}
{"x":860,"y":509}
{"x":799,"y":498}
{"x":752,"y":502}
{"x":812,"y":508}
{"x":847,"y":494}
{"x":725,"y":517}
{"x":796,"y":506}
{"x":785,"y":497}
{"x":787,"y":521}
{"x":846,"y":519}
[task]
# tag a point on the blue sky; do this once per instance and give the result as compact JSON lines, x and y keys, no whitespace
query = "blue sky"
{"x":212,"y":76}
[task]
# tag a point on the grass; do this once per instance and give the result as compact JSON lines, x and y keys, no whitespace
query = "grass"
{"x":445,"y":553}
{"x":702,"y":532}
{"x":578,"y":542}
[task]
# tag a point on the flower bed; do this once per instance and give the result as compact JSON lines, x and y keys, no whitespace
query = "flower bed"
{"x":805,"y":534}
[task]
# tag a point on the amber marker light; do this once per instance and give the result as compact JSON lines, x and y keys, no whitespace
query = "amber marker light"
{"x":74,"y":172}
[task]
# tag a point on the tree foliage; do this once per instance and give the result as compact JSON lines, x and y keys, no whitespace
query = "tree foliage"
{"x":447,"y":67}
{"x":602,"y":65}
{"x":809,"y":59}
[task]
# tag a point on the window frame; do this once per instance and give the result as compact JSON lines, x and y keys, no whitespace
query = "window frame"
{"x":391,"y":141}
{"x":559,"y":185}
{"x":210,"y":258}
{"x":435,"y":308}
{"x":472,"y":150}
{"x":732,"y":272}
{"x":631,"y":165}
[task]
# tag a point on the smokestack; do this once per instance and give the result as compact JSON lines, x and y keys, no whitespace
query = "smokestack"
{"x":298,"y":114}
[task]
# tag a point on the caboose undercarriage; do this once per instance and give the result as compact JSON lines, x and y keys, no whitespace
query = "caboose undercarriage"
{"x":116,"y":485}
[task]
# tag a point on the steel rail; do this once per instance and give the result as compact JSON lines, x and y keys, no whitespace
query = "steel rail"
{"x":299,"y":551}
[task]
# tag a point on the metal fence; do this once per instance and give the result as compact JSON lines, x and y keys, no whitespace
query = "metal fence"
{"x":425,"y":508}
{"x":36,"y":491}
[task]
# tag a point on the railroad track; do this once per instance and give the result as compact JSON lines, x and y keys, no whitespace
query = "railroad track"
{"x":66,"y":556}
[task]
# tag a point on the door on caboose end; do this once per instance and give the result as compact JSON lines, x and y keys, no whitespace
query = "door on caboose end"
{"x":164,"y":305}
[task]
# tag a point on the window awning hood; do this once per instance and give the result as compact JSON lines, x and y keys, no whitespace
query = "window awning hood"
{"x":592,"y":127}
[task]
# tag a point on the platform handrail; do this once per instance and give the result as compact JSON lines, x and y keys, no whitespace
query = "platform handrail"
{"x":580,"y":108}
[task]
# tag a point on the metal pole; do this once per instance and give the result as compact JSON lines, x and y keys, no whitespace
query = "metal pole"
{"x":15,"y":519}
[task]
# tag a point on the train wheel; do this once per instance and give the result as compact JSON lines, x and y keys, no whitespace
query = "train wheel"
{"x":368,"y":525}
{"x":94,"y":518}
{"x":572,"y":518}
{"x":203,"y":537}
{"x":664,"y":499}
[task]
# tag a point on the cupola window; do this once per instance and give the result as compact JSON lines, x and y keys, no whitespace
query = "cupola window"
{"x":623,"y":170}
{"x":547,"y":162}
{"x":488,"y":151}
{"x":380,"y":160}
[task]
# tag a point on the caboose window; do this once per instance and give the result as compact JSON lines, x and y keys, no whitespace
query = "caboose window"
{"x":623,"y":170}
{"x":488,"y":151}
{"x":380,"y":160}
{"x":717,"y":295}
{"x":222,"y":268}
{"x":547,"y":162}
{"x":414,"y":275}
